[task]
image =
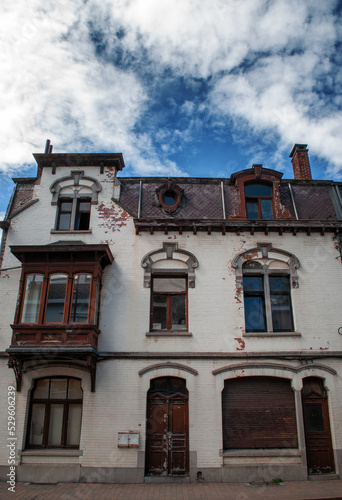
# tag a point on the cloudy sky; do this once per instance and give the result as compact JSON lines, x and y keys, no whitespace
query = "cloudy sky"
{"x":180,"y":87}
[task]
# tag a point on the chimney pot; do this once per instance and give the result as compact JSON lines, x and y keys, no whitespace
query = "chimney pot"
{"x":300,"y":162}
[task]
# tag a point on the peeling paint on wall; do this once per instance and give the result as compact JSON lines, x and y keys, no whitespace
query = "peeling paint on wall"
{"x":112,"y":217}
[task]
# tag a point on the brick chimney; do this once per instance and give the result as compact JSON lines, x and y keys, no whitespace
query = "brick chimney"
{"x":300,"y":162}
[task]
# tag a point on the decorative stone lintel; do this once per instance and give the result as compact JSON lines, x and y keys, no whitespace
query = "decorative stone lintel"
{"x":169,"y":251}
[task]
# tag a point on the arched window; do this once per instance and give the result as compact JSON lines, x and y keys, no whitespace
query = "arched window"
{"x":55,"y":413}
{"x":267,"y":297}
{"x":169,"y":272}
{"x":267,"y":276}
{"x":74,"y":196}
{"x":259,"y":201}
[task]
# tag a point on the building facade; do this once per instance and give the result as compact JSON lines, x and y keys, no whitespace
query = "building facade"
{"x":158,"y":329}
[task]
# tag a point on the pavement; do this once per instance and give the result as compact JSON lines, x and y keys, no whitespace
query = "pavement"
{"x":292,"y":490}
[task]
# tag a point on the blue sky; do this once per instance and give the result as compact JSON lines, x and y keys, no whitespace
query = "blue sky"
{"x":180,"y":87}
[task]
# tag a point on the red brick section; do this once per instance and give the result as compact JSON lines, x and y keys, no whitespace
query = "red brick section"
{"x":296,"y":490}
{"x":300,"y":162}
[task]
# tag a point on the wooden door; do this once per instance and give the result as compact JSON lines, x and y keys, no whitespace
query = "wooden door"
{"x":320,"y":457}
{"x":167,"y":440}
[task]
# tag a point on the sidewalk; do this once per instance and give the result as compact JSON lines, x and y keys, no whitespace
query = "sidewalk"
{"x":209,"y":491}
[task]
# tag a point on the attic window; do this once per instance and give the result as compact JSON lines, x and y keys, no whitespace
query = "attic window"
{"x":259,"y":201}
{"x":169,"y":197}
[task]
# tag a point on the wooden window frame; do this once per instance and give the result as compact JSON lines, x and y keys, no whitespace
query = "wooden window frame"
{"x":265,"y":274}
{"x":47,"y":412}
{"x":259,"y":199}
{"x":71,"y":273}
{"x":169,"y":303}
{"x":74,"y":212}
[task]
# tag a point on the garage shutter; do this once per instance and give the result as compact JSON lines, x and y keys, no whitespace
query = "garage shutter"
{"x":258,"y":412}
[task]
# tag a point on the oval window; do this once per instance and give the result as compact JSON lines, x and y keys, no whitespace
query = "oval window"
{"x":169,"y":198}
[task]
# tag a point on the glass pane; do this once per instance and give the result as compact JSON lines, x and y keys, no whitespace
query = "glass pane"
{"x":255,"y":314}
{"x":56,"y":425}
{"x":82,"y":215}
{"x":58,"y":389}
{"x":159,"y":312}
{"x":314,"y":420}
{"x":37,"y":424}
{"x":279,"y":283}
{"x":75,"y":389}
{"x":32,"y":298}
{"x":253,"y":284}
{"x":74,"y":425}
{"x":178,"y":312}
{"x":169,"y":198}
{"x":64,"y":222}
{"x":42,"y":389}
{"x":169,"y":284}
{"x":281,"y":313}
{"x":66,"y":206}
{"x":80,"y":298}
{"x":266,"y":209}
{"x":56,"y":298}
{"x":258,"y":190}
{"x":84,"y":206}
{"x":252,"y":210}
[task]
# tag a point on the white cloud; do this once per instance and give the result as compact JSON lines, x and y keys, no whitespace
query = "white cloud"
{"x":264,"y":61}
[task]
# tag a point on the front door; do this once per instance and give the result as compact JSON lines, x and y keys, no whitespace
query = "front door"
{"x":320,"y":457}
{"x":167,"y":434}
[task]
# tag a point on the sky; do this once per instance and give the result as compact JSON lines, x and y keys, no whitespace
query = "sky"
{"x":179,"y":87}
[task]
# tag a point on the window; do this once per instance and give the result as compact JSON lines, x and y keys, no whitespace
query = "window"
{"x":259,"y":201}
{"x":73,"y":214}
{"x":55,"y":413}
{"x":169,"y":303}
{"x":58,"y":298}
{"x":267,"y":297}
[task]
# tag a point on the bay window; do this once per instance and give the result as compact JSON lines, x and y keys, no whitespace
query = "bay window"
{"x":58,"y":298}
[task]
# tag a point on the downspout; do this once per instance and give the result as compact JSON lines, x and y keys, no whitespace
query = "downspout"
{"x":293,"y":202}
{"x":140,"y":198}
{"x":223,"y":203}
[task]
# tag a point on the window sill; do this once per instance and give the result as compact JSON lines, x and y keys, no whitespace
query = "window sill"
{"x":168,"y":333}
{"x":52,"y":453}
{"x":264,"y":452}
{"x":74,"y":231}
{"x":272,"y":334}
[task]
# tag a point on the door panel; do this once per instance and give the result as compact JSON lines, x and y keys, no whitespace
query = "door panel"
{"x":319,"y":450}
{"x":167,"y":442}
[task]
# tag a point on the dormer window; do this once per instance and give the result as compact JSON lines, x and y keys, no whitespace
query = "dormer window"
{"x":169,"y":197}
{"x":259,"y":201}
{"x":74,"y":196}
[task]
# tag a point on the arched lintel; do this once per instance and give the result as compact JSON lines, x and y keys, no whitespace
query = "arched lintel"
{"x":169,"y":251}
{"x":274,"y":366}
{"x":168,"y":365}
{"x":265,"y":251}
{"x":76,"y":177}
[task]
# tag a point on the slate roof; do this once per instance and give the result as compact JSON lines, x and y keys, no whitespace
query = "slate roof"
{"x":203,"y":198}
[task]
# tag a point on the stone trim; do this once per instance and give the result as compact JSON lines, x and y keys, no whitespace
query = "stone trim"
{"x":170,"y":251}
{"x":176,"y":366}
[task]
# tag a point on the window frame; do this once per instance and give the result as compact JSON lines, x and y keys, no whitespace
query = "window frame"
{"x":169,"y":275}
{"x":70,"y":273}
{"x":266,"y":273}
{"x":74,"y":212}
{"x":258,"y":199}
{"x":66,"y":402}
